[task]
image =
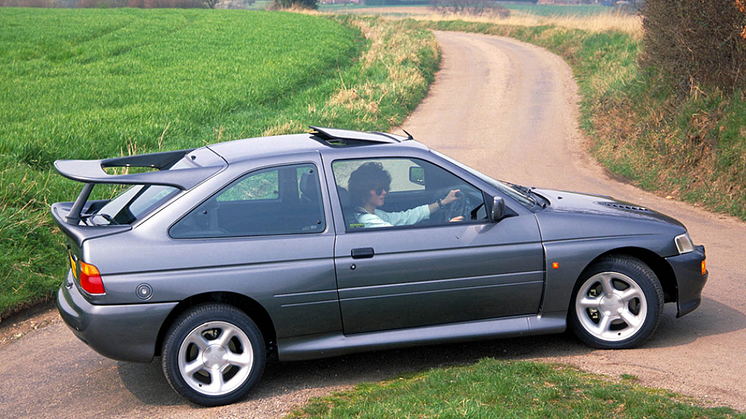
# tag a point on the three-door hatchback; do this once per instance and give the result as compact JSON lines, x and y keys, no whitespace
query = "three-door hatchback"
{"x":321,"y":244}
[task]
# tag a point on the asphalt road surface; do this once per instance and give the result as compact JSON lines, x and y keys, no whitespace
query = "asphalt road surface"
{"x":510,"y":110}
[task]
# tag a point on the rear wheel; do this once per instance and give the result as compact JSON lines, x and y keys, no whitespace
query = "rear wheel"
{"x":617,"y":303}
{"x":213,"y":354}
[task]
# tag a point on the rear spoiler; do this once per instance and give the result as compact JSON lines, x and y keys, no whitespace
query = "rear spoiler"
{"x":92,"y":172}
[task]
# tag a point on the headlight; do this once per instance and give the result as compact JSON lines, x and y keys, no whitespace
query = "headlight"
{"x":684,"y":243}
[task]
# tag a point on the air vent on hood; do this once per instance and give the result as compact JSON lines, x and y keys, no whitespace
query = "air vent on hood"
{"x":624,"y":206}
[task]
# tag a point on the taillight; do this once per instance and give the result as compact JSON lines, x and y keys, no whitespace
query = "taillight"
{"x":90,"y":279}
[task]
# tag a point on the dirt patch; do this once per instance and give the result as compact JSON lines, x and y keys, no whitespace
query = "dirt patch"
{"x":27,"y":321}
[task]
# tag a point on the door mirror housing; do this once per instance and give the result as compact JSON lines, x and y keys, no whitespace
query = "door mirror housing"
{"x":498,"y":209}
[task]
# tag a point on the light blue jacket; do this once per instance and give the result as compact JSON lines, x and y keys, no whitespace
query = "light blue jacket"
{"x":388,"y":219}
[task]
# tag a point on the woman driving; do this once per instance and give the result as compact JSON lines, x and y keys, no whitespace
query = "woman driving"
{"x":368,"y":186}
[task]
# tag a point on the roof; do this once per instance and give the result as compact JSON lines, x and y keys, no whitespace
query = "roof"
{"x":92,"y":171}
{"x":319,"y":139}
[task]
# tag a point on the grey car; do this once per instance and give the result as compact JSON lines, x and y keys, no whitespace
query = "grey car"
{"x":332,"y":242}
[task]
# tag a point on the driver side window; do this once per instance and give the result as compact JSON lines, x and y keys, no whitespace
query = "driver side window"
{"x":399,"y":192}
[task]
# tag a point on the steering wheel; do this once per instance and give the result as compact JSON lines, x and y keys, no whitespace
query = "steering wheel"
{"x":458,"y":208}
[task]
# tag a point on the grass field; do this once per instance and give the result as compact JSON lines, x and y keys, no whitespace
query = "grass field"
{"x":87,"y":83}
{"x":104,"y":83}
{"x":507,"y":389}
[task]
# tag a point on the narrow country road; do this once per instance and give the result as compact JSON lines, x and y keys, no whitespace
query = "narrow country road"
{"x":510,"y":110}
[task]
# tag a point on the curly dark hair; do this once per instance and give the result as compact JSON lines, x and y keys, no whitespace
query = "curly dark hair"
{"x":368,"y":176}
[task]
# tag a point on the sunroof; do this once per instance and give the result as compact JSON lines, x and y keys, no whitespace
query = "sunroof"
{"x":342,"y":137}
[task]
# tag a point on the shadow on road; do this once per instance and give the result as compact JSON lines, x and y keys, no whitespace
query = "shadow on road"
{"x":147,"y":383}
{"x":710,"y":319}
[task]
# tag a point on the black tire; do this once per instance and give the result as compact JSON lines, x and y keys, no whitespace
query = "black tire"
{"x":228,"y":365}
{"x":617,"y":303}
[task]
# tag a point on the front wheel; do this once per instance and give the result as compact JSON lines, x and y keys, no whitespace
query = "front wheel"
{"x":617,"y":303}
{"x":213,"y":354}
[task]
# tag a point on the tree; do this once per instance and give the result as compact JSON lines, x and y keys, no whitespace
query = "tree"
{"x":301,"y":4}
{"x":741,"y":6}
{"x":470,"y":7}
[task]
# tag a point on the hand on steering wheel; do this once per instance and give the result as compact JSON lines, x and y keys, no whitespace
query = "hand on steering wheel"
{"x":458,"y":206}
{"x":453,"y":195}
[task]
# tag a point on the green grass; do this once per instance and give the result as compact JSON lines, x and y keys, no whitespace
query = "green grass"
{"x":507,"y":389}
{"x":85,"y":84}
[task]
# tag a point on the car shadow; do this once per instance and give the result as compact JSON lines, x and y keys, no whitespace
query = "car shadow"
{"x":711,"y":318}
{"x":147,"y":383}
{"x":281,"y":378}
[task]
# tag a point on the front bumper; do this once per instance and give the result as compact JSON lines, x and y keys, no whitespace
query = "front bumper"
{"x":121,"y":332}
{"x":689,"y":279}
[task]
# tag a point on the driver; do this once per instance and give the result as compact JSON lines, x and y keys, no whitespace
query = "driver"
{"x":368,"y":186}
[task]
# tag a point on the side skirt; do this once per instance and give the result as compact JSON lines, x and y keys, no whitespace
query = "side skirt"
{"x":335,"y":344}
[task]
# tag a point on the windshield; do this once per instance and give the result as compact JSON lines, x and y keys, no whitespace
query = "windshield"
{"x":522,"y":197}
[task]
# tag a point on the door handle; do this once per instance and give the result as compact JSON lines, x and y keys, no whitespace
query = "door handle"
{"x":363,"y":253}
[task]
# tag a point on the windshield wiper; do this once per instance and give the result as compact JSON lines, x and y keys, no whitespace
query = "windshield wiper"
{"x":108,"y":218}
{"x":524,"y":190}
{"x":542,"y":201}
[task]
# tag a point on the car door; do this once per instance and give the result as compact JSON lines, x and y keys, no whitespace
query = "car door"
{"x":433,"y":272}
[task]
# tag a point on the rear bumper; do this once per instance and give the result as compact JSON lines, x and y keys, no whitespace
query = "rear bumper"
{"x":689,"y":279}
{"x":121,"y":332}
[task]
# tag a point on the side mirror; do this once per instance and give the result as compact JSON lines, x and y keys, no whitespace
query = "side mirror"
{"x":417,"y":175}
{"x":498,"y":209}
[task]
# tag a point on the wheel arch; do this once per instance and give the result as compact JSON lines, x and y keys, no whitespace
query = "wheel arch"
{"x":253,"y":309}
{"x":657,"y":264}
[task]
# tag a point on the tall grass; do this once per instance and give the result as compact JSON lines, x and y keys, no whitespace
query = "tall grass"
{"x":609,"y":20}
{"x":103,"y":83}
{"x":590,"y":18}
{"x":586,"y":10}
{"x":389,"y":79}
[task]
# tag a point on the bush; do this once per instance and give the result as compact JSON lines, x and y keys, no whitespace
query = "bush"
{"x":696,"y":42}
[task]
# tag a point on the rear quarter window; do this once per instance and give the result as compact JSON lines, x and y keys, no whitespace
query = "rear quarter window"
{"x":274,"y":201}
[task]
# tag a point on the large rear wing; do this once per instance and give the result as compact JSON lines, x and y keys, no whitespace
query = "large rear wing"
{"x":91,"y":172}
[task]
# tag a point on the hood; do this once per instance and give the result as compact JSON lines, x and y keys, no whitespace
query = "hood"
{"x":572,"y":215}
